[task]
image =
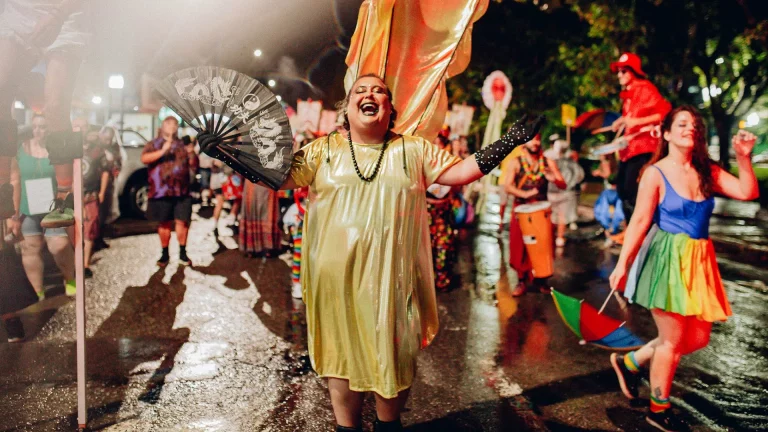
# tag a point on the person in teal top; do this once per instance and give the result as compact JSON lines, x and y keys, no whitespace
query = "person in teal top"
{"x":34,"y":177}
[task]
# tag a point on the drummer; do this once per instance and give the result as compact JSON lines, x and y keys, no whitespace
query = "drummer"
{"x":642,"y":105}
{"x":527,"y":179}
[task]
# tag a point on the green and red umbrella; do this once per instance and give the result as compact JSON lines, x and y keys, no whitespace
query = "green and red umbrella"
{"x":593,"y":327}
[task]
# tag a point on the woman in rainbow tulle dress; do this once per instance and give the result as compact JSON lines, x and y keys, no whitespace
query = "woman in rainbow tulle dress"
{"x":668,"y":264}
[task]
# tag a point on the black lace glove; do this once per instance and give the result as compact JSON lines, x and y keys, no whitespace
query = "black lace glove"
{"x":521,"y":132}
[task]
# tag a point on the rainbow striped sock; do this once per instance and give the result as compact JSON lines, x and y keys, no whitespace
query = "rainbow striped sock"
{"x":659,"y":405}
{"x":630,"y":363}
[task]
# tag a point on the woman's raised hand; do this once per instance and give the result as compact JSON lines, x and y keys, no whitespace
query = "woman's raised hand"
{"x":743,"y":143}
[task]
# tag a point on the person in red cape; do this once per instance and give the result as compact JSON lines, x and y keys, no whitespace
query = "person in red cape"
{"x":642,"y":106}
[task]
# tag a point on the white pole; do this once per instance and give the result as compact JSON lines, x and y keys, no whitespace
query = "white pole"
{"x":82,"y":406}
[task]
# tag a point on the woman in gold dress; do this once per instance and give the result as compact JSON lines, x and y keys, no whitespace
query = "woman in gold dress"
{"x":367,"y":274}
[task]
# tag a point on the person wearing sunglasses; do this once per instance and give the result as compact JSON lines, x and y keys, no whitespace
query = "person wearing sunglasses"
{"x":642,"y":106}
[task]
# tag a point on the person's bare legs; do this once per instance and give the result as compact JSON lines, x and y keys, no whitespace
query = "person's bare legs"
{"x":87,"y":252}
{"x":666,"y":355}
{"x":697,"y":334}
{"x":388,"y":410}
{"x":347,"y":404}
{"x":164,"y":231}
{"x":63,"y":254}
{"x":217,"y":211}
{"x":182,"y":230}
{"x":32,"y":261}
{"x":60,"y":77}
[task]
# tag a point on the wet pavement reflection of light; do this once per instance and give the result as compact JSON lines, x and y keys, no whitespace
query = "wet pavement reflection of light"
{"x":222,"y":346}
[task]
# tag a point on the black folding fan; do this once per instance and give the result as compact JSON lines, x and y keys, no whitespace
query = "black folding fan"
{"x":242,"y":113}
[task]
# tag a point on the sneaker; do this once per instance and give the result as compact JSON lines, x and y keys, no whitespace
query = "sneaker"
{"x":163,"y":261}
{"x":70,"y":289}
{"x":87,"y":273}
{"x":6,"y":201}
{"x":62,"y":214}
{"x":296,"y":290}
{"x":627,"y":380}
{"x":15,"y":330}
{"x":665,"y":421}
{"x":184,"y":259}
{"x":560,"y":242}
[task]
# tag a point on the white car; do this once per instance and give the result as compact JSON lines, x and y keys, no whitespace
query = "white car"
{"x":131,"y":185}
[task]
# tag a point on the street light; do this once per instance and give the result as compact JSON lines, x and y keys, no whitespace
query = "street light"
{"x":116,"y":81}
{"x":272,"y":83}
{"x":257,"y":53}
{"x":96,"y":100}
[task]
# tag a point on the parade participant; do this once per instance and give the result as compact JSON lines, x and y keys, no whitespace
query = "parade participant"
{"x":259,"y":230}
{"x":442,"y":233}
{"x":366,"y":260}
{"x":293,"y":221}
{"x":34,"y":180}
{"x":527,"y":179}
{"x":642,"y":106}
{"x":96,"y":172}
{"x":168,"y":163}
{"x":564,"y":201}
{"x":674,"y":270}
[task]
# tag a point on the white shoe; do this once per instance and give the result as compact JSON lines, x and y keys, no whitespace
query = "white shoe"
{"x":573,"y":226}
{"x":296,"y":290}
{"x":560,"y":242}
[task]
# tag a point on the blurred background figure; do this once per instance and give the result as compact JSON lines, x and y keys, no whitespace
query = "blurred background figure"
{"x":34,"y":180}
{"x":170,"y":163}
{"x":259,"y":230}
{"x":96,"y":173}
{"x":564,"y":201}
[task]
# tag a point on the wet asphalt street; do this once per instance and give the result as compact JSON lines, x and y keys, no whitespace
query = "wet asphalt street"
{"x":221,"y":346}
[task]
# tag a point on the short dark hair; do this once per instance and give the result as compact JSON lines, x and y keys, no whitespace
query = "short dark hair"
{"x":341,"y":106}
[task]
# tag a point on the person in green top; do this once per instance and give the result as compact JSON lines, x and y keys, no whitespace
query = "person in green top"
{"x":34,"y":181}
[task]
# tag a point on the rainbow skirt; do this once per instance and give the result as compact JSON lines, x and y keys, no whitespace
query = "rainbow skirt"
{"x":678,"y":274}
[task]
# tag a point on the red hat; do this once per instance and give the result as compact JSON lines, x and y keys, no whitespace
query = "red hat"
{"x":629,"y":60}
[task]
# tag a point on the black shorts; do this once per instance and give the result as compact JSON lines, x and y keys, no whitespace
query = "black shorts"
{"x":169,"y":209}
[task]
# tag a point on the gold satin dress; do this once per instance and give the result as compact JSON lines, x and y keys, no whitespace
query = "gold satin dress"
{"x":366,"y":268}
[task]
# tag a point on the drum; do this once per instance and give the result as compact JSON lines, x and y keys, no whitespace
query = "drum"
{"x":536,"y":224}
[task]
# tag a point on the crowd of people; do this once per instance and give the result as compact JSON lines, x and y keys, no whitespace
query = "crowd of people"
{"x":662,"y":200}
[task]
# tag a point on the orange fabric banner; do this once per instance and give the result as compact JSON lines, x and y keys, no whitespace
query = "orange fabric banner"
{"x":416,"y":45}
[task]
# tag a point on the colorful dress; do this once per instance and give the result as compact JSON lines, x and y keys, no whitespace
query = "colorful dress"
{"x":676,"y":268}
{"x":259,"y":231}
{"x":366,"y":269}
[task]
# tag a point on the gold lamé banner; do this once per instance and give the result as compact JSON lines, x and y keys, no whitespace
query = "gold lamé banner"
{"x":415,"y":45}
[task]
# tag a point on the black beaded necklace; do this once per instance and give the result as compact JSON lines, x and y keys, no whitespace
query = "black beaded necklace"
{"x":354,"y":160}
